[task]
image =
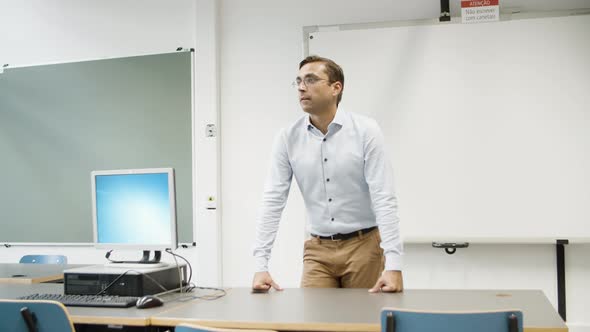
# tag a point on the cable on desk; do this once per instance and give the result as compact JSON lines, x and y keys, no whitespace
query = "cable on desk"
{"x":221,"y":293}
{"x":190,"y":267}
{"x":180,"y":279}
{"x":123,"y":274}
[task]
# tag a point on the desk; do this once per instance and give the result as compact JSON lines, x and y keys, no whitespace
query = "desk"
{"x":351,"y":309}
{"x":95,"y":316}
{"x":33,"y":273}
{"x":307,"y":309}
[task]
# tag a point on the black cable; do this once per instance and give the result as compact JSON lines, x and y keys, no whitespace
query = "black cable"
{"x":112,"y":283}
{"x":187,"y":262}
{"x":108,"y":254}
{"x":180,"y":276}
{"x":123,"y":274}
{"x":190,"y":286}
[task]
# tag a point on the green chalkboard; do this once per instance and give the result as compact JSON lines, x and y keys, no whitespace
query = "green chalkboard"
{"x":59,"y":122}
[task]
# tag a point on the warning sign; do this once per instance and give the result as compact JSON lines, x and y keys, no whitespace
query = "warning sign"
{"x":476,"y":11}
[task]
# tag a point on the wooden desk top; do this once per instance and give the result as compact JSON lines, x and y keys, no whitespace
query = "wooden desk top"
{"x":17,"y":273}
{"x":351,"y":309}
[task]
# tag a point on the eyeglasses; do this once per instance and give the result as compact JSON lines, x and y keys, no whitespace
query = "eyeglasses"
{"x":307,"y":81}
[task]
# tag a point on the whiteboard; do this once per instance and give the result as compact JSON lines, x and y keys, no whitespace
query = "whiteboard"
{"x":487,"y":125}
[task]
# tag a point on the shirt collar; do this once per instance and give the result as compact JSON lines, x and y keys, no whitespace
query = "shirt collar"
{"x":308,"y":124}
{"x":339,"y":119}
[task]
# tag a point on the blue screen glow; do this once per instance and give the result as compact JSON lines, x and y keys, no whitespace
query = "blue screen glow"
{"x":133,"y":209}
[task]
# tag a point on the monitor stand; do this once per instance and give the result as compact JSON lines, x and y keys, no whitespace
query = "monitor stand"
{"x":144,"y":263}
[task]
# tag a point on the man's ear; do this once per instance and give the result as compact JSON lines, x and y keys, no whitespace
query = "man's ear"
{"x":336,"y":88}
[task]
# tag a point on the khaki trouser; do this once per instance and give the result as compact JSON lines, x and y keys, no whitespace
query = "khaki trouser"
{"x":353,"y":263}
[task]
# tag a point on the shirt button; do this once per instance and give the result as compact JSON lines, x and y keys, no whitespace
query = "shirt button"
{"x":332,"y":219}
{"x":329,"y":199}
{"x":325,"y":159}
{"x":324,"y":139}
{"x":327,"y":180}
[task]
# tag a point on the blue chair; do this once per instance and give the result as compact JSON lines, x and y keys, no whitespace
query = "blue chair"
{"x":28,"y":316}
{"x":44,"y":259}
{"x":199,"y":328}
{"x":401,"y":320}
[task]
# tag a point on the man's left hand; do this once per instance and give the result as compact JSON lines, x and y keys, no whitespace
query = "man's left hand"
{"x":390,"y":281}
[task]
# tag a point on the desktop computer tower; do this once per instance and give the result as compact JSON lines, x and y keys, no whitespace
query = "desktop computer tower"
{"x":136,"y":281}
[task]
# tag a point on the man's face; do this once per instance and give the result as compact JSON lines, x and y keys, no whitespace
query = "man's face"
{"x":316,"y":94}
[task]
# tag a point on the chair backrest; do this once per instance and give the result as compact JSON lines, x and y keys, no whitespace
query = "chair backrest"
{"x":44,"y":259}
{"x":401,"y":320}
{"x":199,"y":328}
{"x":47,"y":315}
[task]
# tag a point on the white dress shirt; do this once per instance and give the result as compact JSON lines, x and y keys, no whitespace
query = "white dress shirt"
{"x":344,"y":177}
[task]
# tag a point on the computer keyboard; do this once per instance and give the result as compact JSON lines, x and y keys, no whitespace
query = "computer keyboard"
{"x":108,"y":301}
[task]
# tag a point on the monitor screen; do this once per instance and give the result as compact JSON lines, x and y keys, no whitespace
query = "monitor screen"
{"x":134,"y":209}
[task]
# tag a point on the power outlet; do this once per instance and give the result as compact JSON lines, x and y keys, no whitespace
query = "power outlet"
{"x":210,"y":130}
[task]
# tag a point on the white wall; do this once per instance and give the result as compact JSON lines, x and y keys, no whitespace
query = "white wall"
{"x":261,"y":45}
{"x":37,"y":32}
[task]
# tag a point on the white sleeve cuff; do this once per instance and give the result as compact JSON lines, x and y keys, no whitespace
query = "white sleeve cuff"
{"x":261,"y":264}
{"x":393,"y":262}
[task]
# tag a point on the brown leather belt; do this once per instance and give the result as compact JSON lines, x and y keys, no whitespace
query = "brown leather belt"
{"x":346,"y":236}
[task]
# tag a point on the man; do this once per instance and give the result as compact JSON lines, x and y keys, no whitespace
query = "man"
{"x":338,"y":160}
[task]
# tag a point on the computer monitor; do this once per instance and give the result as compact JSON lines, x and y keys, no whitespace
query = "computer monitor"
{"x":134,"y":209}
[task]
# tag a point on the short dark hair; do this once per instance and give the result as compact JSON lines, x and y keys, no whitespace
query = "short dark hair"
{"x":333,"y":70}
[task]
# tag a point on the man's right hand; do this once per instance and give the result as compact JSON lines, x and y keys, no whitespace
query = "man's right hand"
{"x":263,"y":282}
